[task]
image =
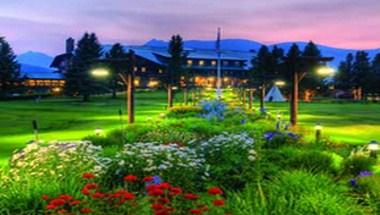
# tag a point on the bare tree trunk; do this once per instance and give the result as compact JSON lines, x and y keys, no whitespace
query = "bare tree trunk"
{"x":170,"y":96}
{"x":244,"y":97}
{"x":131,"y":99}
{"x":250,"y":99}
{"x":294,"y":100}
{"x":262,"y":95}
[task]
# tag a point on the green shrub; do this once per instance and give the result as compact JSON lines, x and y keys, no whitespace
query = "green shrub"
{"x":184,"y":111}
{"x":312,"y":161}
{"x":369,"y":189}
{"x":296,"y":192}
{"x":353,"y":165}
{"x":230,"y":158}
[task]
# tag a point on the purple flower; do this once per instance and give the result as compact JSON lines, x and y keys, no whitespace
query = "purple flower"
{"x":293,"y":135}
{"x":268,"y":136}
{"x":243,"y":122}
{"x":353,"y":182}
{"x":365,"y":173}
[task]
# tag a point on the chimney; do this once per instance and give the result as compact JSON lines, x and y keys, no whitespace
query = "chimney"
{"x":70,"y":45}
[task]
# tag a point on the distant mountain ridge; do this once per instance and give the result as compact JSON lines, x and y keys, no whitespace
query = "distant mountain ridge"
{"x":43,"y":60}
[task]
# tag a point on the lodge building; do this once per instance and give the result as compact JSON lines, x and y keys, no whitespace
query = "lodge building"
{"x":151,"y":63}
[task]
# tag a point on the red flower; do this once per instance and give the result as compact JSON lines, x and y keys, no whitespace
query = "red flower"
{"x":129,"y":196}
{"x":148,"y":179}
{"x":88,"y":175}
{"x":85,"y":211}
{"x":191,"y":196}
{"x":62,"y":211}
{"x":91,"y":186}
{"x":164,"y":186}
{"x":45,"y":197}
{"x":57,"y":202}
{"x":175,"y":191}
{"x":155,"y":192}
{"x":50,"y":207}
{"x":85,"y":191}
{"x":66,"y":197}
{"x":98,"y":195}
{"x":215,"y":191}
{"x":163,"y":201}
{"x":130,"y":178}
{"x":157,"y":207}
{"x":75,"y":202}
{"x":195,"y":211}
{"x":218,"y":202}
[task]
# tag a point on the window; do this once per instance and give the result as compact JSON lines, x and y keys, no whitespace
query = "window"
{"x":189,"y":62}
{"x":135,"y":69}
{"x":237,"y":63}
{"x":213,"y":63}
{"x":143,"y":69}
{"x":225,"y":63}
{"x":201,"y":63}
{"x":160,"y":71}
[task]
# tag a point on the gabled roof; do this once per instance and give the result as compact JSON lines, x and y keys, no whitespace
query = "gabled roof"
{"x":35,"y":72}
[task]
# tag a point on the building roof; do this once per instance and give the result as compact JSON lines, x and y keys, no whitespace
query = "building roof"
{"x":35,"y":72}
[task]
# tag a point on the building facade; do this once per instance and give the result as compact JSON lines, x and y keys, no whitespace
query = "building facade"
{"x":151,"y":64}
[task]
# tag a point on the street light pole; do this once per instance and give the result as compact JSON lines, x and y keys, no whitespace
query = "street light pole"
{"x":219,"y":68}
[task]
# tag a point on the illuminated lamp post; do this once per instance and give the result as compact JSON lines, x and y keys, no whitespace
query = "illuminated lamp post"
{"x":127,"y":78}
{"x":298,"y":74}
{"x":373,"y":147}
{"x":318,"y":132}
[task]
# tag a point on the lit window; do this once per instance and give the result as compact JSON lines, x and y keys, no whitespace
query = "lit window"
{"x":160,"y":71}
{"x":213,"y":62}
{"x":143,"y":69}
{"x":135,"y":69}
{"x":189,"y":62}
{"x":201,"y":62}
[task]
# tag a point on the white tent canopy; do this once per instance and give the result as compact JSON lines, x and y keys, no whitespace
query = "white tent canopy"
{"x":274,"y":95}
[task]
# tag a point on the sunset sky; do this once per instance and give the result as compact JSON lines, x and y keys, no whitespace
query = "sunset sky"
{"x":43,"y":25}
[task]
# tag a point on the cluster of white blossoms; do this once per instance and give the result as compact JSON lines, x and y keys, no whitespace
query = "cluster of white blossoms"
{"x":155,"y":158}
{"x":54,"y":159}
{"x":224,"y":143}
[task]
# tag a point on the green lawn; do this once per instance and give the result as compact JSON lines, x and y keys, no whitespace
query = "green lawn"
{"x":346,"y":123}
{"x":70,"y":119}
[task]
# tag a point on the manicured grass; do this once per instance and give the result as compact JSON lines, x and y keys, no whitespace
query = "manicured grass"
{"x":68,"y":119}
{"x":352,"y":123}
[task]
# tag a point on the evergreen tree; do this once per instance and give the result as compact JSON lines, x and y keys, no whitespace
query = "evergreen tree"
{"x":175,"y":67}
{"x":116,"y":52}
{"x":78,"y":77}
{"x":311,"y":79}
{"x":9,"y":68}
{"x":376,"y":72}
{"x":262,"y":71}
{"x":343,"y":79}
{"x":292,"y":63}
{"x":362,"y":75}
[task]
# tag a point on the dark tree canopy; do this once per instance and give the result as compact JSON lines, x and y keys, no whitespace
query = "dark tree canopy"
{"x":9,"y":68}
{"x":176,"y":61}
{"x":116,"y":52}
{"x":361,"y":71}
{"x":344,"y":77}
{"x":78,"y":78}
{"x":312,"y":80}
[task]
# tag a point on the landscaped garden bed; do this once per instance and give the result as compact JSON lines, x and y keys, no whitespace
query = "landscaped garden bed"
{"x":211,"y":159}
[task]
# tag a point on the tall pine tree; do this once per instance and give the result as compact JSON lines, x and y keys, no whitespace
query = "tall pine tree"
{"x":344,"y":77}
{"x":311,"y":80}
{"x":175,"y":68}
{"x":116,"y":52}
{"x":376,"y":72}
{"x":78,"y":78}
{"x":361,"y":71}
{"x":262,"y":71}
{"x":9,"y":68}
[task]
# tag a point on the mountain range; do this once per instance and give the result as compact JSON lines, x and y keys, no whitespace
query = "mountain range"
{"x":43,"y":60}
